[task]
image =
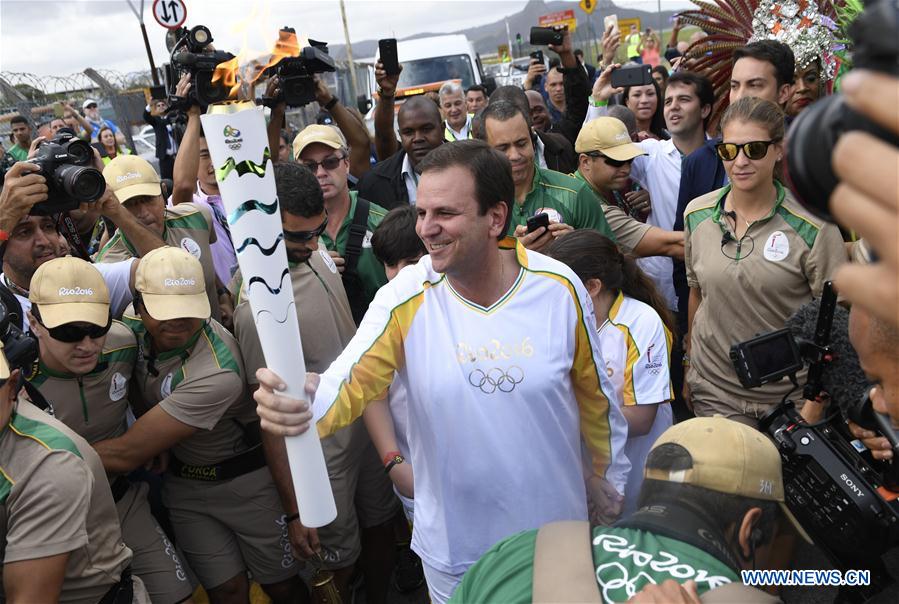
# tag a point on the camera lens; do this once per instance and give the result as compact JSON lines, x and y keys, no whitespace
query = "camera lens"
{"x":81,"y":184}
{"x":79,"y":152}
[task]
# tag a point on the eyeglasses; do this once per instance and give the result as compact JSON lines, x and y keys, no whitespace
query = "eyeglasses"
{"x":752,"y":150}
{"x":91,"y":107}
{"x":71,"y":333}
{"x":329,"y":163}
{"x":614,"y":163}
{"x":301,"y":236}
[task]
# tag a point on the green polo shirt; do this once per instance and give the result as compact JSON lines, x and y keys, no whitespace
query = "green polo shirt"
{"x":565,"y":199}
{"x":626,"y":560}
{"x":19,"y":153}
{"x":370,"y":270}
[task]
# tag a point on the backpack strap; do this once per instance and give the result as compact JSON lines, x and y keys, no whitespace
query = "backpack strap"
{"x":563,"y":564}
{"x":357,"y":233}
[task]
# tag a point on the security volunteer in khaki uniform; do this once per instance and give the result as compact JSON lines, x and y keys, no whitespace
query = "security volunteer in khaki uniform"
{"x":749,"y":286}
{"x":59,"y":532}
{"x":186,"y":225}
{"x":362,"y":490}
{"x":83,"y":374}
{"x":219,"y":493}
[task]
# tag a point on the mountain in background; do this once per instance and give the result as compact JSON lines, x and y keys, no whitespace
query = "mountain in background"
{"x":486,"y":38}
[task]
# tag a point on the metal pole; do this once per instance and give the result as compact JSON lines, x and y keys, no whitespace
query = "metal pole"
{"x":659,"y":5}
{"x":349,"y":52}
{"x":143,"y":30}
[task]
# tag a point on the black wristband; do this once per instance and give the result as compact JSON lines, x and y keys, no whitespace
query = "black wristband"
{"x":291,"y":518}
{"x":398,"y":459}
{"x":330,"y":104}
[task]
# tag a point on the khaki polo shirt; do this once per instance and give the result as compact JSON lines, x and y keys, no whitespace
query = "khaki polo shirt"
{"x":565,"y":199}
{"x":753,"y":287}
{"x":187,"y":226}
{"x":201,"y":385}
{"x":94,"y":405}
{"x":54,"y":499}
{"x":628,"y":231}
{"x":323,"y":312}
{"x":370,"y":269}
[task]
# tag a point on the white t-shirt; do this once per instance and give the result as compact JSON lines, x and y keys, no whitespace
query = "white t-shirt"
{"x":636,"y":347}
{"x":118,"y":280}
{"x":498,"y":401}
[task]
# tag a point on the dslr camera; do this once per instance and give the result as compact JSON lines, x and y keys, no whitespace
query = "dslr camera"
{"x":841,"y":495}
{"x":67,"y":163}
{"x":190,"y":54}
{"x":296,"y":74}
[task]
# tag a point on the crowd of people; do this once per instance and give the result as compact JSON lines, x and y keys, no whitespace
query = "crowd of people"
{"x":516,"y":309}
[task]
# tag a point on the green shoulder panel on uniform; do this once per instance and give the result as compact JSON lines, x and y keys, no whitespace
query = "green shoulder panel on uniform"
{"x":37,"y":378}
{"x":120,"y":345}
{"x":694,"y":218}
{"x":48,"y":436}
{"x":556,"y":180}
{"x":375,"y":215}
{"x":191,"y":220}
{"x":806,"y":229}
{"x":114,"y":240}
{"x":6,"y":485}
{"x":134,"y":324}
{"x":220,"y":350}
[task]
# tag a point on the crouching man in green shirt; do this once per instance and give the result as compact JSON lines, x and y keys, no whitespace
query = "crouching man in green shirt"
{"x":707,"y":476}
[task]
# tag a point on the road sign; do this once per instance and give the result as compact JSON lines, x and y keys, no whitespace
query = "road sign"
{"x":588,"y":5}
{"x":171,"y":14}
{"x":562,"y":17}
{"x":628,"y":27}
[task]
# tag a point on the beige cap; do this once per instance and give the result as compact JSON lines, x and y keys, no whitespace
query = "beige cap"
{"x":70,"y":290}
{"x":316,"y":133}
{"x":129,"y":176}
{"x":172,"y":285}
{"x":728,"y":457}
{"x":609,"y":136}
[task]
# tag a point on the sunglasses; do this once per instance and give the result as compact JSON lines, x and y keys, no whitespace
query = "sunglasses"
{"x":71,"y":333}
{"x":752,"y":150}
{"x":329,"y":163}
{"x":301,"y":236}
{"x":91,"y":107}
{"x":614,"y":163}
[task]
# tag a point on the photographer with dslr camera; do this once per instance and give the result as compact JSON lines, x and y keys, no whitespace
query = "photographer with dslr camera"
{"x":31,"y":232}
{"x":60,"y":534}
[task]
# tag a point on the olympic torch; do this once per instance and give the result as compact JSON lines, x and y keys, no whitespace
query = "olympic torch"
{"x":238,"y":146}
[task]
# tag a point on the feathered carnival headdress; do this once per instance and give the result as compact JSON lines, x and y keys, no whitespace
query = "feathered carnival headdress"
{"x":808,"y":27}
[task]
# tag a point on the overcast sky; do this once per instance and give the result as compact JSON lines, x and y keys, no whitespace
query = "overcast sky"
{"x":52,"y":37}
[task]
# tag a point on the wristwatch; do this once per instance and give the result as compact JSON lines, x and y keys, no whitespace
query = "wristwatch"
{"x":392,"y":459}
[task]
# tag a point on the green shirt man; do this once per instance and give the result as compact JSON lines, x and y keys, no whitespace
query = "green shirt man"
{"x":626,"y":560}
{"x":565,"y":199}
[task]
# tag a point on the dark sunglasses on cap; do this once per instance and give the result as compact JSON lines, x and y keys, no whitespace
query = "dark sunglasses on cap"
{"x":329,"y":163}
{"x":301,"y":236}
{"x":614,"y":163}
{"x":752,"y":150}
{"x":91,"y":106}
{"x":71,"y":332}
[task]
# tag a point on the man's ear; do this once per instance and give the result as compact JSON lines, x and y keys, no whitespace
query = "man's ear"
{"x":784,"y":94}
{"x":498,"y":215}
{"x":749,"y":536}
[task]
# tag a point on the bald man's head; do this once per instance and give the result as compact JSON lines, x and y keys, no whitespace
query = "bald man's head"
{"x":421,"y":127}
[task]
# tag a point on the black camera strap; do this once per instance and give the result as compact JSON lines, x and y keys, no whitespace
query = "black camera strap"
{"x":71,"y":234}
{"x":682,"y":522}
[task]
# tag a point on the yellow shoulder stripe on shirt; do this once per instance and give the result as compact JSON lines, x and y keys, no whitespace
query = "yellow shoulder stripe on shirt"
{"x":629,"y":393}
{"x":549,"y":186}
{"x":593,"y":404}
{"x":371,"y":375}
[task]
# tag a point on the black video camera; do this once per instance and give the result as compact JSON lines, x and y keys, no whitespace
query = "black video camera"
{"x":190,"y":54}
{"x":67,"y":163}
{"x":19,"y":348}
{"x":296,"y":74}
{"x":815,"y":132}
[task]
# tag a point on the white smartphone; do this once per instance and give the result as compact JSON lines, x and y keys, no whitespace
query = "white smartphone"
{"x":611,"y":21}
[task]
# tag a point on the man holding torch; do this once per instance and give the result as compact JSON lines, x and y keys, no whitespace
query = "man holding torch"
{"x":504,"y":376}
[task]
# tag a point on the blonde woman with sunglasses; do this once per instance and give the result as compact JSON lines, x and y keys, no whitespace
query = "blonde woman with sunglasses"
{"x":753,"y":256}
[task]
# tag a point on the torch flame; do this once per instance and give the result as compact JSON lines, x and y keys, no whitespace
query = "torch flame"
{"x":228,"y":74}
{"x":232,"y":76}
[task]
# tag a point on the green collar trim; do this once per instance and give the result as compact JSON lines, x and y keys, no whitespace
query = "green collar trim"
{"x":719,"y":203}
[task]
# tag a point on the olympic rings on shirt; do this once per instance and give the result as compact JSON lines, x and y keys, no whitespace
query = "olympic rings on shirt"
{"x":495,"y":379}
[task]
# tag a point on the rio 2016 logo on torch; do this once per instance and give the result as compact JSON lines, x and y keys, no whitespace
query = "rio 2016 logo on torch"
{"x":232,"y":138}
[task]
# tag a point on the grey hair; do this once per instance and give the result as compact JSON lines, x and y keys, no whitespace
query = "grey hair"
{"x":450,"y":88}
